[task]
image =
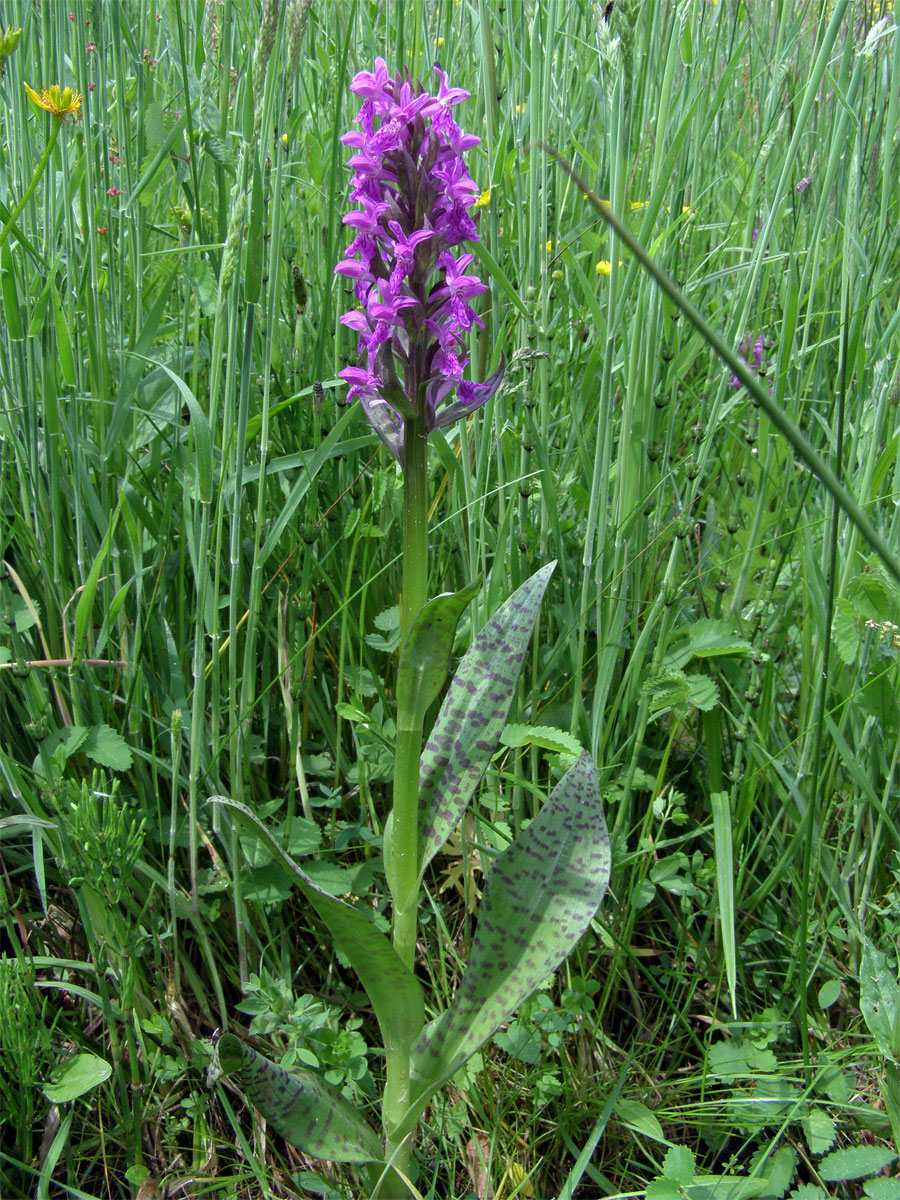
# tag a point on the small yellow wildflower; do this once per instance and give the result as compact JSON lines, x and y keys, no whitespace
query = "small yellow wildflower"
{"x":520,"y":108}
{"x":604,"y":266}
{"x":638,"y":204}
{"x":439,"y":43}
{"x":484,"y":199}
{"x":284,"y":140}
{"x":549,"y":247}
{"x":61,"y":103}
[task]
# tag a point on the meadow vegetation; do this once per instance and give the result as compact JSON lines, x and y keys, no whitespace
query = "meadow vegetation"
{"x":200,"y":588}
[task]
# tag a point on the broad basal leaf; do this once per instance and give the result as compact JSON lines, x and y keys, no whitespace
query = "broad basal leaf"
{"x":392,"y":988}
{"x":473,"y":714}
{"x":539,"y":898}
{"x":425,"y":659}
{"x":83,"y":1072}
{"x":307,"y":1111}
{"x":879,"y":999}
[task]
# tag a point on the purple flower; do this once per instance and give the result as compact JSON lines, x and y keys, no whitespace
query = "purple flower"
{"x":415,"y":198}
{"x":752,"y":352}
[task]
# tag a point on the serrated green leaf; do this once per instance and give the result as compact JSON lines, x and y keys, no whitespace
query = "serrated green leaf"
{"x":544,"y":736}
{"x":777,"y":1169}
{"x":855,"y":1162}
{"x":874,"y":596}
{"x":307,"y":1111}
{"x":845,"y":631}
{"x":711,"y":638}
{"x":819,"y":1130}
{"x":882,"y":1189}
{"x":539,"y":898}
{"x":303,"y":837}
{"x":879,"y":999}
{"x":71,"y":738}
{"x":393,"y":990}
{"x":728,"y":1060}
{"x":678,"y":1165}
{"x":425,"y":659}
{"x":702,"y":692}
{"x":104,"y":746}
{"x":808,"y":1191}
{"x":82,"y":1074}
{"x":473,"y":714}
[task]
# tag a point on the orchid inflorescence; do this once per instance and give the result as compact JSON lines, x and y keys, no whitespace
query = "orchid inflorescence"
{"x":415,"y":196}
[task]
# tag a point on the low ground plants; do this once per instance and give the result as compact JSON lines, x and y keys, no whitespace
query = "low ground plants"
{"x":216,"y":681}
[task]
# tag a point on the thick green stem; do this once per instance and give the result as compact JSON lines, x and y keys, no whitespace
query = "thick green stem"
{"x":403,"y":868}
{"x":415,"y":526}
{"x":405,"y":848}
{"x":38,"y":172}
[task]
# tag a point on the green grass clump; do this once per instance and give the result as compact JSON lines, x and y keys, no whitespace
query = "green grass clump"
{"x":200,"y":584}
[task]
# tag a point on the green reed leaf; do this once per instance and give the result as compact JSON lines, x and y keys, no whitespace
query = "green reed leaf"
{"x":539,"y":898}
{"x":394,"y":991}
{"x":474,"y":713}
{"x":305,"y":1109}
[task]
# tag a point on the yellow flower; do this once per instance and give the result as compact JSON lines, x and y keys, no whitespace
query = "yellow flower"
{"x":604,"y":266}
{"x":637,"y":204}
{"x":549,"y":247}
{"x":9,"y":39}
{"x":484,"y":199}
{"x":62,"y":103}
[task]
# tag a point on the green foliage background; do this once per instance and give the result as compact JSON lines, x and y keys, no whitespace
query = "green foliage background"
{"x":200,"y":585}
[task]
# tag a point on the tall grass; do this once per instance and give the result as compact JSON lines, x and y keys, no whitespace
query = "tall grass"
{"x":202,"y":540}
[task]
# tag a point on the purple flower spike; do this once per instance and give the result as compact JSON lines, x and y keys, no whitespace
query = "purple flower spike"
{"x":414,"y":197}
{"x":753,"y":354}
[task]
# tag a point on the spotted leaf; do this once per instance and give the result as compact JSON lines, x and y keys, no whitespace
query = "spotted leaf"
{"x":394,"y":991}
{"x":539,"y":898}
{"x":306,"y":1110}
{"x":474,"y":712}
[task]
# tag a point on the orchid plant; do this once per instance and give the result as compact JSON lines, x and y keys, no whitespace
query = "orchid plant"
{"x":414,"y":285}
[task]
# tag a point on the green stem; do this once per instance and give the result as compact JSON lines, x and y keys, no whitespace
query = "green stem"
{"x":38,"y":172}
{"x":409,"y":724}
{"x":403,"y":869}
